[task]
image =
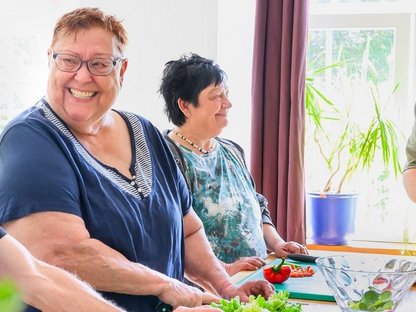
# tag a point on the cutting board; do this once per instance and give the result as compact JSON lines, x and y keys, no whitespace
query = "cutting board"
{"x":310,"y":288}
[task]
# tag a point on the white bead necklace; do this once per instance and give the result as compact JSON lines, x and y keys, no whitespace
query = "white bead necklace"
{"x":200,"y":149}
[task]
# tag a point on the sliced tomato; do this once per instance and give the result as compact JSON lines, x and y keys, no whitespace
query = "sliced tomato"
{"x":299,"y":271}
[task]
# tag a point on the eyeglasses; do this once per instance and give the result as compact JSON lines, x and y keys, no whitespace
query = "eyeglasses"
{"x":96,"y":66}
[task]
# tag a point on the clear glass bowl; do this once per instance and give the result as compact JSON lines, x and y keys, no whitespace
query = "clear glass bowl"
{"x":361,"y":283}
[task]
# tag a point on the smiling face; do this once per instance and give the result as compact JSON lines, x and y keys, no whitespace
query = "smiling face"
{"x":80,"y":98}
{"x":210,"y":115}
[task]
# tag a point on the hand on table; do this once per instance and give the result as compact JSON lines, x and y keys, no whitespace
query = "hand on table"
{"x":244,"y":263}
{"x":180,"y":295}
{"x":290,"y":247}
{"x":256,"y":287}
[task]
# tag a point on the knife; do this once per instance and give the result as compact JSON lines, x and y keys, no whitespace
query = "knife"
{"x":302,"y":257}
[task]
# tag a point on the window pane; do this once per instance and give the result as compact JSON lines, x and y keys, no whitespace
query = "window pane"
{"x":363,"y":75}
{"x":351,"y":46}
{"x":366,"y":53}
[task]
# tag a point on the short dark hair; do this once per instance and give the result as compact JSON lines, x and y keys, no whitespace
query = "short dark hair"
{"x":184,"y":79}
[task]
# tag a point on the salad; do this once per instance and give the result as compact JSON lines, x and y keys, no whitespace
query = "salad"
{"x":278,"y":302}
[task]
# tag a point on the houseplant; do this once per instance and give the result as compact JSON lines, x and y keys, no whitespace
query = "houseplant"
{"x":349,"y":144}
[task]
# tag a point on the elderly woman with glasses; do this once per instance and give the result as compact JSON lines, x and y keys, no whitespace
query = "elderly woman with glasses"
{"x":236,"y":218}
{"x":96,"y":191}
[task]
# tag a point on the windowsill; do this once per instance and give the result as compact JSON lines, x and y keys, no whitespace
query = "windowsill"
{"x":369,"y":247}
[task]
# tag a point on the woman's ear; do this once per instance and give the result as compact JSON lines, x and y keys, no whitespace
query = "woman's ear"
{"x":123,"y":69}
{"x":184,"y":107}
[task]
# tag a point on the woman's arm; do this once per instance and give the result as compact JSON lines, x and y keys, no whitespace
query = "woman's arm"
{"x":278,"y":245}
{"x":46,"y":287}
{"x":61,"y":239}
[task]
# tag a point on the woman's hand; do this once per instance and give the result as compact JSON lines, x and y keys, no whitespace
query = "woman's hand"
{"x":256,"y":287}
{"x":178,"y":294}
{"x":244,"y":263}
{"x":285,"y":248}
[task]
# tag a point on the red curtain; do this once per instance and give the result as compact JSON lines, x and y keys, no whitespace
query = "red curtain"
{"x":277,"y":135}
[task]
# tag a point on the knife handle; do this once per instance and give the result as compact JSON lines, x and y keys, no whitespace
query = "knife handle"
{"x":302,"y":258}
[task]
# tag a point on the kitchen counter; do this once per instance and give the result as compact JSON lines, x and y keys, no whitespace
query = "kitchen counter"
{"x":408,"y":304}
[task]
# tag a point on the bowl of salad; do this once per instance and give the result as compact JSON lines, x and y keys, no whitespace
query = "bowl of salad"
{"x":361,"y":283}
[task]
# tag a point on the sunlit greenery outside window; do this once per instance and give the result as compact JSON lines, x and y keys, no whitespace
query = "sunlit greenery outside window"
{"x":372,"y":45}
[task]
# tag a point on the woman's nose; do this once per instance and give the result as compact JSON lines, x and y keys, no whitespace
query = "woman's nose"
{"x":227,"y":103}
{"x":83,"y":74}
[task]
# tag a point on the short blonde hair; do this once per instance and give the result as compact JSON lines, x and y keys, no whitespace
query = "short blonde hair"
{"x":85,"y":18}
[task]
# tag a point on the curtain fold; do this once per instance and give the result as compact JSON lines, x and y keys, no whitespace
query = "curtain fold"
{"x":277,"y":135}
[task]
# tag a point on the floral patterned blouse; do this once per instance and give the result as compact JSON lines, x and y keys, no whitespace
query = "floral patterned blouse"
{"x":225,"y":200}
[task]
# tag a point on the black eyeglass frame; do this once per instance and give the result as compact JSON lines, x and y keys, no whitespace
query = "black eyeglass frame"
{"x":114,"y":63}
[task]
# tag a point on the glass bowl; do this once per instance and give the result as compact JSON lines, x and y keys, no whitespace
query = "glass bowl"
{"x":361,"y":283}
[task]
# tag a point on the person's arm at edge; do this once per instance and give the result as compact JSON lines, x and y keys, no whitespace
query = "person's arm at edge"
{"x":409,"y":182}
{"x":47,"y":287}
{"x":409,"y":170}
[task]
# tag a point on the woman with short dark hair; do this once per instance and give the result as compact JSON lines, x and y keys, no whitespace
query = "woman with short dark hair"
{"x":236,"y":218}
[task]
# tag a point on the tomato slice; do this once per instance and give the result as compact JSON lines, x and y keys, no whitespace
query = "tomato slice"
{"x":299,"y":271}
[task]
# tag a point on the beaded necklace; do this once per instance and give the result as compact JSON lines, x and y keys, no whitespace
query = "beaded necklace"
{"x":200,"y":149}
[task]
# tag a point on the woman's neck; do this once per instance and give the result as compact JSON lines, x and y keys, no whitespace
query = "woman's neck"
{"x":195,"y":140}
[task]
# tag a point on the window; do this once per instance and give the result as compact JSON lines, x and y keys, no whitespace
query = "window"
{"x":375,"y":43}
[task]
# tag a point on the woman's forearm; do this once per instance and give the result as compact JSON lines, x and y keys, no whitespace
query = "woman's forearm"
{"x":108,"y":270}
{"x":61,"y":240}
{"x":46,"y":287}
{"x":63,"y":292}
{"x":272,"y":238}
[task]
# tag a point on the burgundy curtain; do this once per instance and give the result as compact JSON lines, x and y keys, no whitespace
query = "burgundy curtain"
{"x":277,"y":135}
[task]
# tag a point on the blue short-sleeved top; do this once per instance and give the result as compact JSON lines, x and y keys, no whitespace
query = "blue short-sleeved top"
{"x":43,"y":167}
{"x":2,"y":232}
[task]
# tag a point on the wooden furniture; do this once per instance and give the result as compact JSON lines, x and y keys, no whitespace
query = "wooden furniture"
{"x":407,"y":305}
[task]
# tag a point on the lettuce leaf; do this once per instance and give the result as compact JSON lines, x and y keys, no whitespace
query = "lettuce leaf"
{"x":278,"y":302}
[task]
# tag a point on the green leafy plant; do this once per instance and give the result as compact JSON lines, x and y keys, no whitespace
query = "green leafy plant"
{"x":345,"y":144}
{"x":10,"y":297}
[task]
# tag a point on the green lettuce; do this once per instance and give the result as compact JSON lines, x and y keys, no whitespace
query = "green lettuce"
{"x":278,"y":302}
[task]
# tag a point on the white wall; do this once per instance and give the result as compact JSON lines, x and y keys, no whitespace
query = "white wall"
{"x":159,"y":30}
{"x":235,"y":50}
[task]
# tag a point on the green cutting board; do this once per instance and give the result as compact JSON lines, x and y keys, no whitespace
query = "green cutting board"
{"x":310,"y":288}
